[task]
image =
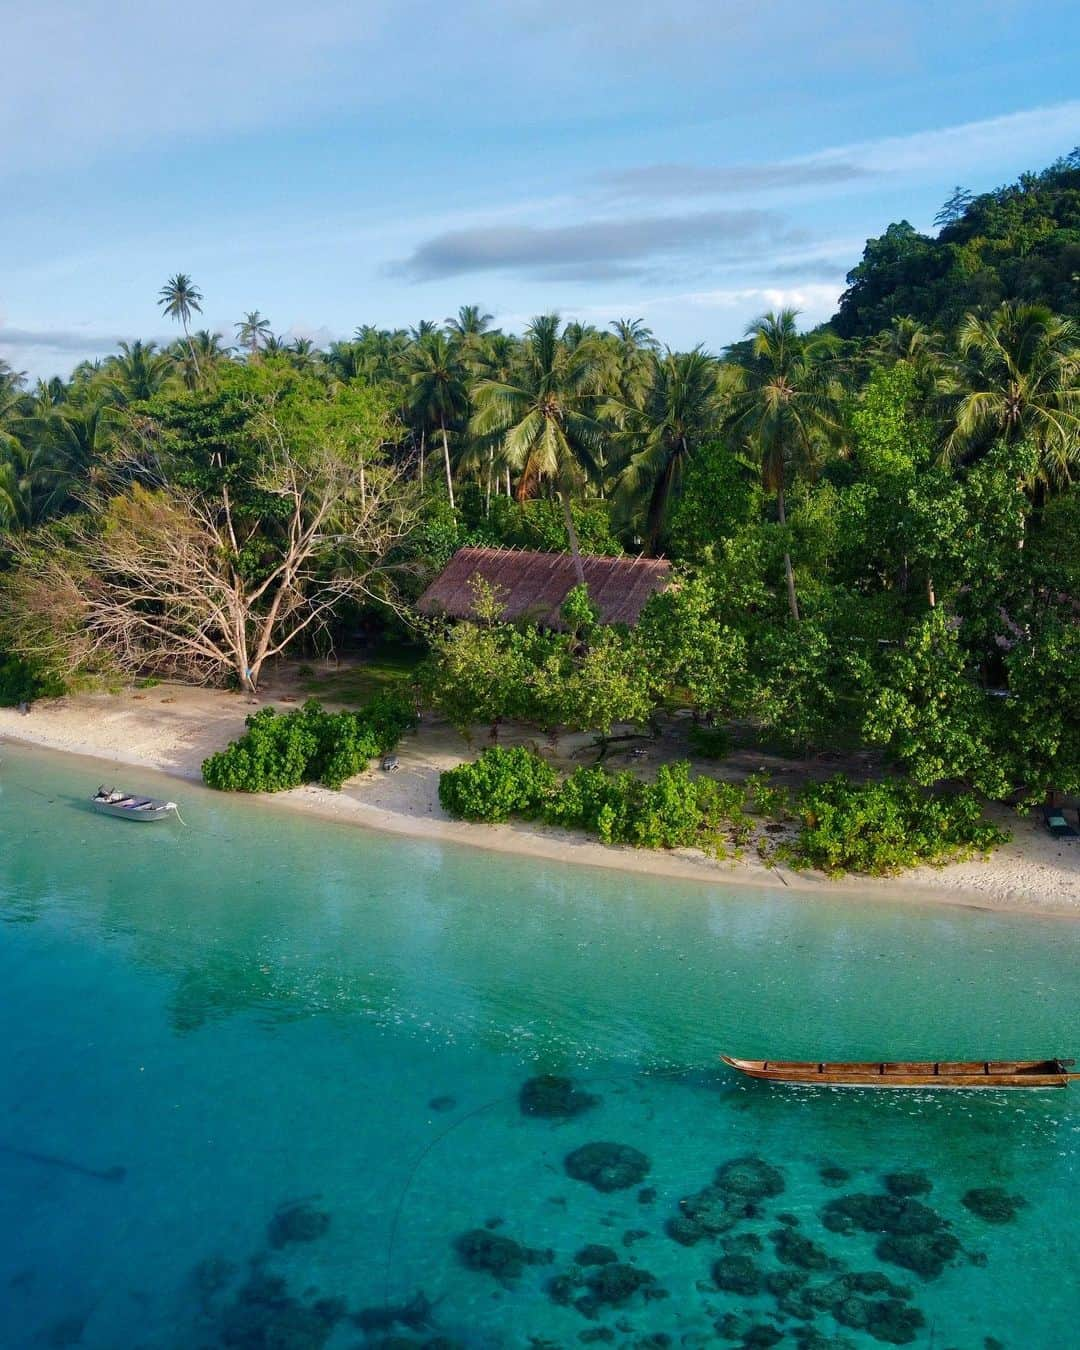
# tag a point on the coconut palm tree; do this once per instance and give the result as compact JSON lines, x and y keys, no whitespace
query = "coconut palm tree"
{"x":1020,"y":380}
{"x":786,"y":409}
{"x":469,"y":323}
{"x":252,"y":331}
{"x":545,"y":418}
{"x":179,"y":299}
{"x":680,"y":410}
{"x":438,"y":394}
{"x":138,"y":372}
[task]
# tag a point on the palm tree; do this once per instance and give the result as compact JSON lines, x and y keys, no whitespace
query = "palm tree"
{"x":253,"y":330}
{"x":179,"y":299}
{"x":786,"y":409}
{"x":1020,"y":381}
{"x":138,"y":373}
{"x":469,"y":323}
{"x":438,"y":389}
{"x":544,"y":416}
{"x":681,"y":408}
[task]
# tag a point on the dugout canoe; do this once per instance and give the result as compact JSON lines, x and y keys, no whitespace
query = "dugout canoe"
{"x":908,"y":1073}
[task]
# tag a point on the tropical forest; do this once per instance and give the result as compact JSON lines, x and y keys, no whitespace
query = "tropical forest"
{"x":873,"y":528}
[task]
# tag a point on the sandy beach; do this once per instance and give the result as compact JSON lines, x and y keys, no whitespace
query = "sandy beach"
{"x":172,"y":728}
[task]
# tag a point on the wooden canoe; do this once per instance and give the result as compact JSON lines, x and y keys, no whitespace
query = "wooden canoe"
{"x":943,"y":1073}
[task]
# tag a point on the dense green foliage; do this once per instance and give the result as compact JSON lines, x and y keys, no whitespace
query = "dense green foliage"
{"x":21,"y":682}
{"x":872,"y":828}
{"x":308,"y":745}
{"x":1020,"y":242}
{"x":678,"y":810}
{"x":881,"y":828}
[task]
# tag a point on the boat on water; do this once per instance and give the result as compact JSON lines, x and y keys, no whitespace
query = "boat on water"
{"x":907,"y":1073}
{"x":127,"y":806}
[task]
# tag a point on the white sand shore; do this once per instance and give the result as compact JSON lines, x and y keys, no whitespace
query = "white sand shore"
{"x":173,"y":728}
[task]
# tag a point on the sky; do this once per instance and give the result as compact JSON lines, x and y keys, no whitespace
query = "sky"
{"x":343,"y":162}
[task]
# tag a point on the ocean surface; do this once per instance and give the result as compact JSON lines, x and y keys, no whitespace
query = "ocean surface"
{"x":261,"y":1086}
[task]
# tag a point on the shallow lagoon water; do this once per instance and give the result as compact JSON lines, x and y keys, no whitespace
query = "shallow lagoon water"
{"x":202,"y":1025}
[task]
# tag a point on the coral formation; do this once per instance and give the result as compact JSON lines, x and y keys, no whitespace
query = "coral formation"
{"x":596,"y":1254}
{"x":792,"y":1249}
{"x":554,"y":1097}
{"x":264,"y":1316}
{"x":908,"y":1183}
{"x":502,"y":1257}
{"x":737,"y":1275}
{"x":927,"y":1254}
{"x":296,"y":1221}
{"x":607,"y":1166}
{"x":992,"y":1203}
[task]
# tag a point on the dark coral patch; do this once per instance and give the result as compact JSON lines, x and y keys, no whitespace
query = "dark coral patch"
{"x":607,"y":1166}
{"x":556,"y":1098}
{"x":296,"y":1222}
{"x":927,"y":1254}
{"x":502,"y":1257}
{"x":737,"y":1275}
{"x":908,"y":1183}
{"x":992,"y":1203}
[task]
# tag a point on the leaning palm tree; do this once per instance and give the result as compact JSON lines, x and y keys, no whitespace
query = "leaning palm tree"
{"x":786,"y":409}
{"x":252,"y":331}
{"x":544,"y":416}
{"x":179,"y":299}
{"x":1020,"y":381}
{"x":681,"y":409}
{"x":438,"y":389}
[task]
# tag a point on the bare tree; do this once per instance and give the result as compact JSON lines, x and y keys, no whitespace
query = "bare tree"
{"x":163,"y":579}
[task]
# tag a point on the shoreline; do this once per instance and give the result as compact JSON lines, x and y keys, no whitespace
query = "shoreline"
{"x":1023,"y":877}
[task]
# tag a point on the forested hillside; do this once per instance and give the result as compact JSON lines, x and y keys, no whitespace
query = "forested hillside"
{"x":1019,"y":243}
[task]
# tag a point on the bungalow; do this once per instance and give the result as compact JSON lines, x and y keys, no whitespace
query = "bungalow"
{"x":533,"y":586}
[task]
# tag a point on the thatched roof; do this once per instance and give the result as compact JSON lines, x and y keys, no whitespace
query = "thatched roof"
{"x":533,"y":586}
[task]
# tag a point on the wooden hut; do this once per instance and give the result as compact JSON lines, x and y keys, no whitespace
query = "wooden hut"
{"x":533,"y":586}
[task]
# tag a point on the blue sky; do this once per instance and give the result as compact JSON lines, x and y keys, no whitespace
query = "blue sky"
{"x":383,"y":161}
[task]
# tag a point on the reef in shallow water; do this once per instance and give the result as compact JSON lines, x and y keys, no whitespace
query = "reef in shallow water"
{"x":502,"y":1257}
{"x":607,"y":1166}
{"x":734,"y":1194}
{"x":554,"y":1097}
{"x":264,"y":1316}
{"x":992,"y":1203}
{"x":296,"y":1221}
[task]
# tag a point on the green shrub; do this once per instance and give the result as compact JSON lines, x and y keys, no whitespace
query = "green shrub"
{"x":880,"y":828}
{"x":308,"y":745}
{"x":709,"y":742}
{"x":503,"y":782}
{"x":678,"y":810}
{"x":21,"y":682}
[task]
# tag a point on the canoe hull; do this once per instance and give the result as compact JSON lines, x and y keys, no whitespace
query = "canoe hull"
{"x":992,"y":1074}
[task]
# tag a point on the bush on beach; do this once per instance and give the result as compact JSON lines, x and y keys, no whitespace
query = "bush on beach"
{"x":308,"y":745}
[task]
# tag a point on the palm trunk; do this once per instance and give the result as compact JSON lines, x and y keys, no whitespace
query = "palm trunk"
{"x":446,"y":458}
{"x":423,"y":434}
{"x":490,"y":469}
{"x":571,"y":534}
{"x":191,"y":349}
{"x":789,"y":575}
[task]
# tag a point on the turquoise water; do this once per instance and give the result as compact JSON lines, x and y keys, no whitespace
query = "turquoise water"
{"x":259,"y":1074}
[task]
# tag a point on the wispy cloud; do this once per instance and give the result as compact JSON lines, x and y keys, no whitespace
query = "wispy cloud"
{"x":58,"y":339}
{"x":650,"y":181}
{"x":620,"y":246}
